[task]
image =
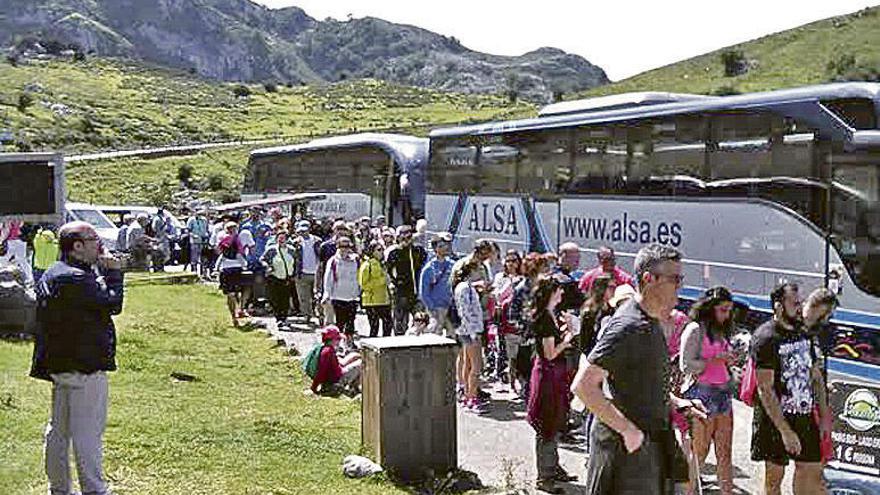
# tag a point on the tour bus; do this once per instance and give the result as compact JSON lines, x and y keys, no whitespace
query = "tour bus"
{"x":366,"y":174}
{"x":754,"y":189}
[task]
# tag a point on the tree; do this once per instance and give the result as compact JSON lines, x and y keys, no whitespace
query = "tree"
{"x":25,"y":100}
{"x":512,"y":86}
{"x":734,"y":62}
{"x":184,"y":173}
{"x":241,"y":91}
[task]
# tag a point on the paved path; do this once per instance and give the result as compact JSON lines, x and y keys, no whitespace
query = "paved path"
{"x":499,"y":446}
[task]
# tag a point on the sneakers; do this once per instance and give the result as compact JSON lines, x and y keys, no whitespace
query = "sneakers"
{"x":474,"y":406}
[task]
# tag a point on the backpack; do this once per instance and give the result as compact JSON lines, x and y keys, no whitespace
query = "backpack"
{"x":748,"y":386}
{"x":312,"y":359}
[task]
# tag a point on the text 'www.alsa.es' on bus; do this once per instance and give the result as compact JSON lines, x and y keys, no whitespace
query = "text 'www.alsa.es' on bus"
{"x":623,"y":229}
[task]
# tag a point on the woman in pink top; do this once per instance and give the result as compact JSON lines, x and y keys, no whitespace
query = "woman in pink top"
{"x":704,"y":359}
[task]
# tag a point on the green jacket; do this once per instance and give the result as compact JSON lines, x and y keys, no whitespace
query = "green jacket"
{"x":374,"y":283}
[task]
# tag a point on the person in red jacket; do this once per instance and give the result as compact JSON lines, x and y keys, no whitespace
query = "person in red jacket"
{"x":335,"y":375}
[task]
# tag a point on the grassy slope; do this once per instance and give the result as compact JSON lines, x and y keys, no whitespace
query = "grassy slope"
{"x":119,"y":105}
{"x":244,"y":427}
{"x":796,"y":57}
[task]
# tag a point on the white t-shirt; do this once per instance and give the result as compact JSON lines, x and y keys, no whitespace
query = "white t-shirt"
{"x":310,"y":260}
{"x":247,"y":240}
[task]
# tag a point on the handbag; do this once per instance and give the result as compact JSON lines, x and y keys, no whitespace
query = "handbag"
{"x":748,"y":387}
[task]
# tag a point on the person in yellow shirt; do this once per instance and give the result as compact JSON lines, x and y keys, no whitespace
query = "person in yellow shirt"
{"x":375,"y":298}
{"x":45,"y":251}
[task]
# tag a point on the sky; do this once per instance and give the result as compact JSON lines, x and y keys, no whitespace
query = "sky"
{"x":624,"y":37}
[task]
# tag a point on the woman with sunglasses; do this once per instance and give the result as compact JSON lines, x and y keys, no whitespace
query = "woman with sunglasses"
{"x":705,"y":359}
{"x":341,"y":287}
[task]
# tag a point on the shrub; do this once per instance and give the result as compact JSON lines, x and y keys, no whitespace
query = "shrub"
{"x":241,"y":91}
{"x":185,"y":173}
{"x":734,"y":62}
{"x":725,"y":90}
{"x":270,"y":87}
{"x":12,"y":59}
{"x":79,"y":56}
{"x":25,"y":100}
{"x":215,"y":182}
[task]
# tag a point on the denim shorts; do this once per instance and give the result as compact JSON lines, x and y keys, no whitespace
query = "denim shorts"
{"x":718,"y":399}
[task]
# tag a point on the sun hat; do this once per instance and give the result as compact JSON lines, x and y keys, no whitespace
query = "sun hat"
{"x":621,"y":294}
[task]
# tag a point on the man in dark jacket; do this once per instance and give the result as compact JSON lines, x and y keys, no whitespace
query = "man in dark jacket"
{"x":75,"y":347}
{"x":404,"y":265}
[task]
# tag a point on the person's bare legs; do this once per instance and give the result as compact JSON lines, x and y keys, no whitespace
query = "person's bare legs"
{"x":808,"y":478}
{"x":723,"y":437}
{"x":701,"y":433}
{"x":773,"y":474}
{"x":232,"y":304}
{"x":473,"y":372}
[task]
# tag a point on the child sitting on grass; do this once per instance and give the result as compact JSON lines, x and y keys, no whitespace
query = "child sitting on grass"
{"x":330,"y":374}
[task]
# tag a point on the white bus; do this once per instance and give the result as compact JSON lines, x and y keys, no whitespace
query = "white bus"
{"x":754,"y":189}
{"x":365,"y":174}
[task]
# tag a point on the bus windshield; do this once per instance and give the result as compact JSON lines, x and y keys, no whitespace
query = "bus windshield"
{"x":856,"y":221}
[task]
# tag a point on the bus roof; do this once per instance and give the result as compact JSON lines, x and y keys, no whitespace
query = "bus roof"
{"x":407,"y":151}
{"x":614,"y":102}
{"x":795,"y":102}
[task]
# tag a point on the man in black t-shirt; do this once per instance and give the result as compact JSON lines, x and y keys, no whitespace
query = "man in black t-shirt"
{"x":632,"y":443}
{"x":790,"y":385}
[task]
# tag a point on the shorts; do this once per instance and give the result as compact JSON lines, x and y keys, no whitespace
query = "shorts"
{"x":467,"y":339}
{"x":230,"y":280}
{"x":718,"y":399}
{"x":767,"y":442}
{"x":611,"y":470}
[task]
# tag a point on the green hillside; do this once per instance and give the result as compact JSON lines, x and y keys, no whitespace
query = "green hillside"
{"x":106,"y":105}
{"x":840,"y":48}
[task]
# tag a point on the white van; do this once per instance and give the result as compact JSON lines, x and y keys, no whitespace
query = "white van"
{"x":105,"y":228}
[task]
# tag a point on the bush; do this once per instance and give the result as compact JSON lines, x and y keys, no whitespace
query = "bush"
{"x":241,"y":91}
{"x":25,"y":100}
{"x":725,"y":90}
{"x":215,"y":182}
{"x":270,"y":87}
{"x":79,"y":56}
{"x":185,"y":173}
{"x":734,"y":62}
{"x":12,"y":59}
{"x":841,"y":64}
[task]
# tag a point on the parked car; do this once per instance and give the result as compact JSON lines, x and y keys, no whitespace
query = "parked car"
{"x":105,"y":228}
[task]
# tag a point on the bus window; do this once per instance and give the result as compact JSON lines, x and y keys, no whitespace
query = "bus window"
{"x":498,"y":166}
{"x":856,"y":220}
{"x":545,"y":163}
{"x":858,"y":113}
{"x":600,"y":160}
{"x":679,"y":147}
{"x":453,"y":167}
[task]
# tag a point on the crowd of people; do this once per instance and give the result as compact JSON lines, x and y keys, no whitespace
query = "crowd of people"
{"x":651,"y":379}
{"x":600,"y":352}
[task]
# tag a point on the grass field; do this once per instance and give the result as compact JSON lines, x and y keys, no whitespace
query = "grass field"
{"x":111,"y":104}
{"x":245,"y":427}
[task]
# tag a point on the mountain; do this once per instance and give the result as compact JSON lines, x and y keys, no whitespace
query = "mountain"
{"x":841,"y":48}
{"x":238,"y":40}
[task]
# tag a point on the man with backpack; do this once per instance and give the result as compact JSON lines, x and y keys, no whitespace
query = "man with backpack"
{"x":404,"y":264}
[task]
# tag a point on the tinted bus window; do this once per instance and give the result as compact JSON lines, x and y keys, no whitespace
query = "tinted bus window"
{"x":453,"y":166}
{"x":356,"y":169}
{"x":858,"y":113}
